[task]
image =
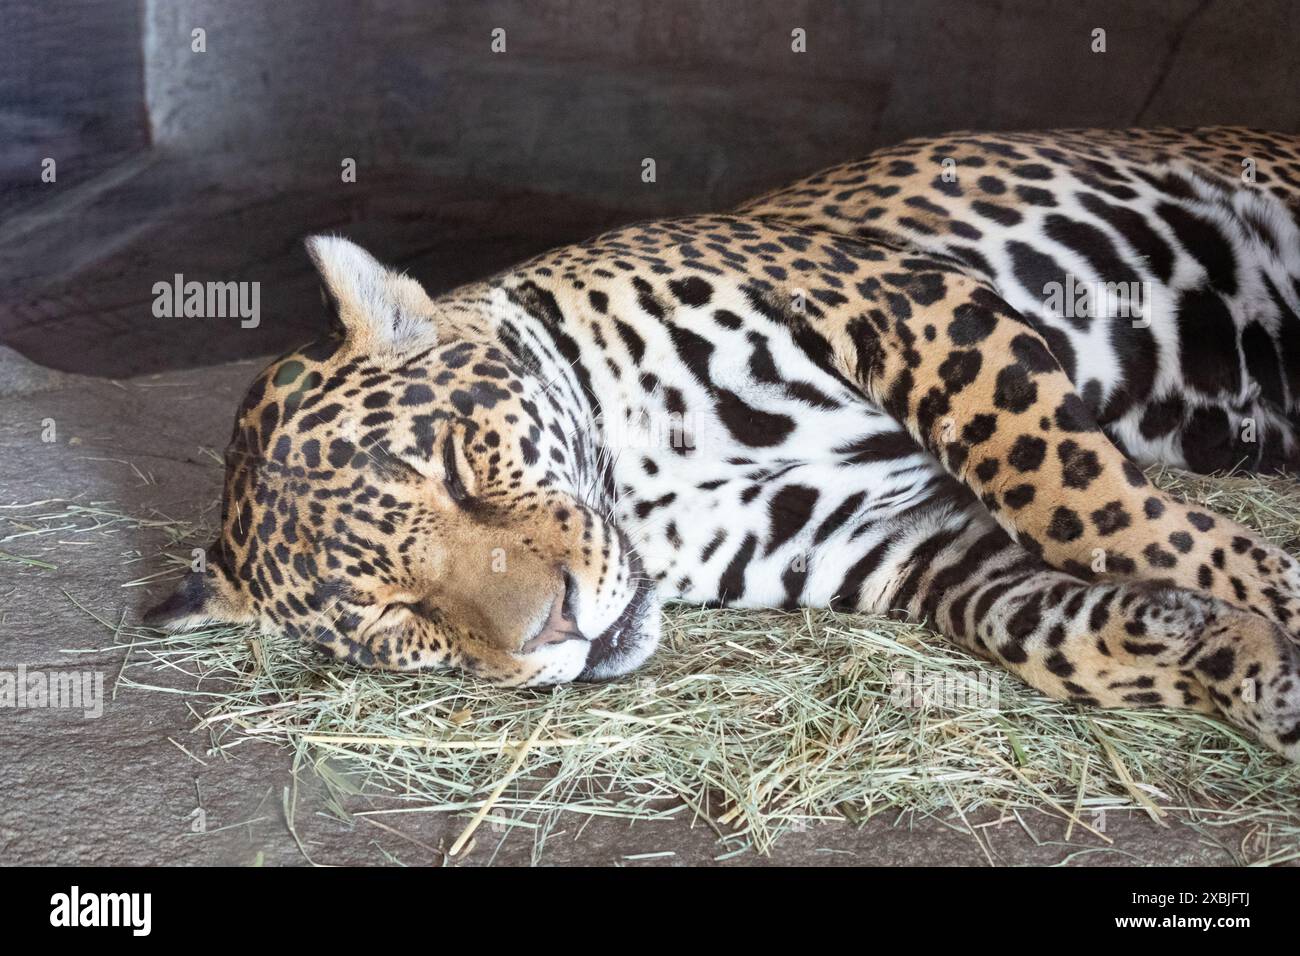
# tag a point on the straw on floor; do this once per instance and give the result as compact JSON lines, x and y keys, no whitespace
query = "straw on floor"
{"x":752,"y":723}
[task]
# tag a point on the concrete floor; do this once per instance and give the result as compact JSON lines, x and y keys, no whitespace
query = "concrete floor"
{"x":120,"y":790}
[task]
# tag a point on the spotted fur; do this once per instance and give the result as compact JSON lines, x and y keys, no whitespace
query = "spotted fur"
{"x":847,"y":393}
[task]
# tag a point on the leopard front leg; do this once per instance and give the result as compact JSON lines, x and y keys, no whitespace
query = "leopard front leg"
{"x":980,"y":389}
{"x":1125,"y":644}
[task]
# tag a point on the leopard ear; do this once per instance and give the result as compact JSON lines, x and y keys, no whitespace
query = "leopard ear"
{"x":202,"y":597}
{"x":379,"y":310}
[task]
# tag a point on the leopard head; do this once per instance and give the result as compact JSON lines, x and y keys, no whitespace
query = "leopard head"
{"x":408,"y":492}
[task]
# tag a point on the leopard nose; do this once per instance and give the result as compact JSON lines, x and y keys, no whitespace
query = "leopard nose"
{"x":561,"y":623}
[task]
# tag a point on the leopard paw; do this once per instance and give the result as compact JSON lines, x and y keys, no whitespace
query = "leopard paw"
{"x":1250,"y":668}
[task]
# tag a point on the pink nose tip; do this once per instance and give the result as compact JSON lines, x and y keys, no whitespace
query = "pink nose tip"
{"x":560,"y":624}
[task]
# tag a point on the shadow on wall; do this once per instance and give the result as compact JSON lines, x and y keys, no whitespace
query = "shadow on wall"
{"x":206,"y":139}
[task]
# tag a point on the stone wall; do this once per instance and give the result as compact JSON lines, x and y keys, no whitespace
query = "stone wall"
{"x":217,"y":164}
{"x":71,"y":89}
{"x":711,"y":90}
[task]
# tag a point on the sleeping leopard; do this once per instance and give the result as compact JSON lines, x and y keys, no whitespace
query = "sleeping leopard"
{"x":922,"y":383}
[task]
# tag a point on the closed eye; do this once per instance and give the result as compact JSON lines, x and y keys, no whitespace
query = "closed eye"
{"x":371,"y":616}
{"x":452,"y":480}
{"x":390,"y":614}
